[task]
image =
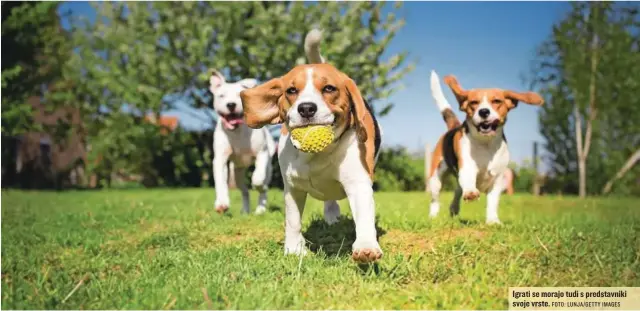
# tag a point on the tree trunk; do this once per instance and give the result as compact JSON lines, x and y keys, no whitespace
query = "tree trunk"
{"x":583,"y":151}
{"x":635,"y":157}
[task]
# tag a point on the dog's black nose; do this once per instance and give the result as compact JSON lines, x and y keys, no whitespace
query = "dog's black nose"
{"x":231,"y":106}
{"x":307,"y":110}
{"x":484,"y":113}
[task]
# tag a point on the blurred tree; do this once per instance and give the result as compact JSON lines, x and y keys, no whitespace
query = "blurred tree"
{"x":589,"y":71}
{"x":32,"y":31}
{"x":141,"y":58}
{"x":42,"y":143}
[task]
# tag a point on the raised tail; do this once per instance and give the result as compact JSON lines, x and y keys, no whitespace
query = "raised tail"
{"x":443,"y":105}
{"x":312,"y":47}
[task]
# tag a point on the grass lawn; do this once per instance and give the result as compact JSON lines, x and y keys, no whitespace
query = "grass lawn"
{"x":163,"y":249}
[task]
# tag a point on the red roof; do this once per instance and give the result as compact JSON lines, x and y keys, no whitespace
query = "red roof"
{"x":166,"y":121}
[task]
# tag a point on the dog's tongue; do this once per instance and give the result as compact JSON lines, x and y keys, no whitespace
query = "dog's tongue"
{"x":236,"y":121}
{"x":232,"y":122}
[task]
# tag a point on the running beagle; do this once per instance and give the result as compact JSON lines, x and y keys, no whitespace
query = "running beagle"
{"x":476,"y":150}
{"x":320,"y":94}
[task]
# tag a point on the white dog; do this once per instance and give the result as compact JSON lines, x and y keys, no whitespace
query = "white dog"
{"x":235,"y":142}
{"x":320,"y":94}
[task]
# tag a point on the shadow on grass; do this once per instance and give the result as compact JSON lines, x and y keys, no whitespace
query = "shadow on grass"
{"x":468,"y":222}
{"x":274,"y":208}
{"x":336,"y":239}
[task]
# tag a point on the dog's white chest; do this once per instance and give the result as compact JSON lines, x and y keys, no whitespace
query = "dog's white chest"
{"x":490,"y":160}
{"x":245,"y":144}
{"x":316,"y":174}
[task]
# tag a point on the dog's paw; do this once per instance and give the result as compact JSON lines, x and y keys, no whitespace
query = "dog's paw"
{"x":221,"y":209}
{"x":295,"y":246}
{"x":366,"y":251}
{"x":471,"y":195}
{"x":260,"y":210}
{"x":493,"y":221}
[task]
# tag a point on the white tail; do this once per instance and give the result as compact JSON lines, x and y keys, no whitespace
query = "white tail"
{"x":312,"y":47}
{"x":436,"y":92}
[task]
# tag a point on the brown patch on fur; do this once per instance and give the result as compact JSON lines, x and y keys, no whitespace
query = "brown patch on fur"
{"x":438,"y":153}
{"x":261,"y":104}
{"x":436,"y":158}
{"x":450,"y":119}
{"x":365,"y":127}
{"x":501,"y":100}
{"x":269,"y":103}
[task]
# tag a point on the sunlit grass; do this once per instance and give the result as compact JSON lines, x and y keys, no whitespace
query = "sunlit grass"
{"x":155,"y":249}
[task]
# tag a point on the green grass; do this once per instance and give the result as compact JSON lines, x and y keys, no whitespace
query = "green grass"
{"x":157,"y":249}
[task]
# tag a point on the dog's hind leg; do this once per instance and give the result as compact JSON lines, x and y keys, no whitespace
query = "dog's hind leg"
{"x":454,"y":208}
{"x":242,"y":185}
{"x":261,"y":178}
{"x":435,"y":185}
{"x":331,"y":212}
{"x":220,"y":175}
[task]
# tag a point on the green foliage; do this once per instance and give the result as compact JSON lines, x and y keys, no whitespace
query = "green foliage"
{"x":155,"y":56}
{"x":37,"y":46}
{"x":524,"y":176}
{"x":563,"y":70}
{"x":164,"y":249}
{"x":397,"y":170}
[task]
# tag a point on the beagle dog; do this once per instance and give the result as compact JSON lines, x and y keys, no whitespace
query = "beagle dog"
{"x":476,"y":149}
{"x":315,"y":94}
{"x":236,"y":144}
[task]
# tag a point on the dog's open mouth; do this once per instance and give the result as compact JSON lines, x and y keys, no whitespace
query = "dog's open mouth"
{"x":232,"y":120}
{"x":488,"y":128}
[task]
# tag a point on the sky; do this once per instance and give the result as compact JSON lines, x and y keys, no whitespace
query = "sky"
{"x":484,"y":44}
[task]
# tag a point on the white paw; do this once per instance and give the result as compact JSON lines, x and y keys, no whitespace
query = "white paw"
{"x":295,"y":246}
{"x":222,"y":202}
{"x":365,"y":251}
{"x":260,"y":210}
{"x":471,"y":195}
{"x":434,"y":209}
{"x":221,"y":205}
{"x":493,"y":221}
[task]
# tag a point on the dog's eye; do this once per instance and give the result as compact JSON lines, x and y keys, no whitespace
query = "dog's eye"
{"x":497,"y":101}
{"x":292,"y":90}
{"x":473,"y":103}
{"x":329,"y":88}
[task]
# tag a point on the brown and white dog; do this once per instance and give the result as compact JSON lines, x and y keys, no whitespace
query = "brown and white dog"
{"x":475,"y":150}
{"x":320,"y":94}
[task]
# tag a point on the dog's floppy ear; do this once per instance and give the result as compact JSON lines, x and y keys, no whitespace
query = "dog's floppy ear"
{"x":216,"y":79}
{"x":365,"y":126}
{"x":248,"y":83}
{"x":461,"y":95}
{"x":261,"y":104}
{"x":530,"y":98}
{"x":359,"y":109}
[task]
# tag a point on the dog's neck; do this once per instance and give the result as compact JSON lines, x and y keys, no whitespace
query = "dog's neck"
{"x":240,"y":130}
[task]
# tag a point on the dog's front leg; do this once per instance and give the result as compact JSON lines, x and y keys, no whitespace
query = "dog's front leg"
{"x":220,"y":173}
{"x":493,"y":200}
{"x":467,"y":180}
{"x":366,"y":247}
{"x":294,"y":201}
{"x":242,"y":185}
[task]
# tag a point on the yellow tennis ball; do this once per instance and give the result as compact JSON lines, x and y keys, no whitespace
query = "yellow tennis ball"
{"x":312,"y":138}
